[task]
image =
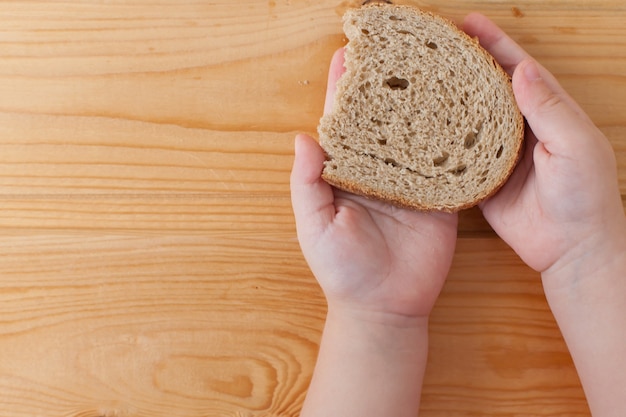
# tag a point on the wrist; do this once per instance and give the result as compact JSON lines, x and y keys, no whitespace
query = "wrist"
{"x":578,"y":271}
{"x":369,"y":364}
{"x":587,"y":296}
{"x":373,"y":318}
{"x":384,"y":333}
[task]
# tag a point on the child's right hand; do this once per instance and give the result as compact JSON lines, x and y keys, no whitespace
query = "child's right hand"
{"x":563,"y":202}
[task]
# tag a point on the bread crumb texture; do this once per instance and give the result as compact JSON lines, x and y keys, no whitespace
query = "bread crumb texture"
{"x":423,"y":117}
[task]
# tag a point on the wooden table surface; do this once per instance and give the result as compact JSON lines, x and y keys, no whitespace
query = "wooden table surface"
{"x":148,"y":257}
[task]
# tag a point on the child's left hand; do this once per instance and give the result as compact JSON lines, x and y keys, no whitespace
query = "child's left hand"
{"x":368,"y":256}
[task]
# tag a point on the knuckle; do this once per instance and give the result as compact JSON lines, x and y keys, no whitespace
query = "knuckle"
{"x":549,"y":102}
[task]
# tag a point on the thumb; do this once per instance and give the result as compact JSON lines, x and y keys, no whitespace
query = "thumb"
{"x":312,"y":198}
{"x":557,"y":121}
{"x":335,"y":72}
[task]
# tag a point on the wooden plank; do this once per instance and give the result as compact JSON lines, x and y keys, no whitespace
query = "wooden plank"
{"x":121,"y":174}
{"x":151,"y":325}
{"x":172,"y":136}
{"x":147,"y":325}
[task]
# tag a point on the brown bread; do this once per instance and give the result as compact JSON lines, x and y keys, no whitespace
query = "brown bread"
{"x":423,"y":117}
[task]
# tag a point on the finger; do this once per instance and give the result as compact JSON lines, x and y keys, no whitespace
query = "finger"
{"x":556,"y":120}
{"x":312,"y":198}
{"x":504,"y":49}
{"x":334,"y":73}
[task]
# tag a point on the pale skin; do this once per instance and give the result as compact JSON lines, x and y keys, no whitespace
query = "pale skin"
{"x":381,"y":268}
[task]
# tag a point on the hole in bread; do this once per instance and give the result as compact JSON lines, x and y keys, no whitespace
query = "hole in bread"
{"x":459,"y":170}
{"x":395,"y":18}
{"x":431,"y":45}
{"x":396,"y":83}
{"x":376,"y":1}
{"x":392,"y":162}
{"x":500,"y":150}
{"x":405,"y":32}
{"x":440,"y":160}
{"x":382,"y":141}
{"x":470,"y":140}
{"x":365,"y":31}
{"x":376,"y":121}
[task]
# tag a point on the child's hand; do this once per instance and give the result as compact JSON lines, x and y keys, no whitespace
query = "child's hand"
{"x":561,"y":211}
{"x":562,"y":202}
{"x":369,"y":257}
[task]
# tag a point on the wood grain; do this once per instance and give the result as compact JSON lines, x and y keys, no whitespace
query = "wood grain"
{"x":86,"y":323}
{"x":148,"y":258}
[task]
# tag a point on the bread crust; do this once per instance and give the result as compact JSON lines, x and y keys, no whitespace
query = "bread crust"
{"x":411,"y":203}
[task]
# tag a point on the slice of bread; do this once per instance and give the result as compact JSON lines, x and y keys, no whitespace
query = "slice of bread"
{"x":423,"y":116}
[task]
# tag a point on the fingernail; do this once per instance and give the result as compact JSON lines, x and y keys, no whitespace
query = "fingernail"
{"x":299,"y":142}
{"x":531,"y":71}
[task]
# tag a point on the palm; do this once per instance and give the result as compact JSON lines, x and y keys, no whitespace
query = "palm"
{"x":546,"y":200}
{"x":516,"y":213}
{"x":387,"y":257}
